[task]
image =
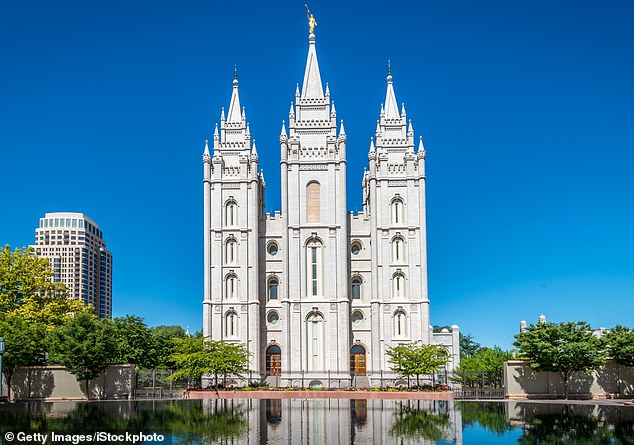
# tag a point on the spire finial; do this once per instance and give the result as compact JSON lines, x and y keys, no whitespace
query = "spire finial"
{"x":235,"y":72}
{"x":389,"y":67}
{"x":311,"y":20}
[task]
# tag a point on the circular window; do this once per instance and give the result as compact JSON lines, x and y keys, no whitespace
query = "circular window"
{"x":357,"y":317}
{"x":272,"y":249}
{"x":355,"y":249}
{"x":273,"y":317}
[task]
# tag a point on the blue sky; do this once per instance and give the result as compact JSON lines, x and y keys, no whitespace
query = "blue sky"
{"x":525,"y":107}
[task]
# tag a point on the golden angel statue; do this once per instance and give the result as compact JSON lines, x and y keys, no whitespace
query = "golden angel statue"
{"x":311,"y":20}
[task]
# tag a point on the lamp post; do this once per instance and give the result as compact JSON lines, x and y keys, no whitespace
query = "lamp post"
{"x":1,"y":352}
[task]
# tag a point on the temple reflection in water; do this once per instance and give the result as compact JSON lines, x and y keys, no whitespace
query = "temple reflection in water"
{"x":344,"y":421}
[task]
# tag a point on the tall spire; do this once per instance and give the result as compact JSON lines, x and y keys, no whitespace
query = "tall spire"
{"x":312,"y":87}
{"x":391,"y":106}
{"x":235,"y":110}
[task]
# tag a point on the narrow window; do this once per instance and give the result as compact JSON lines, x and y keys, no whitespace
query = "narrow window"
{"x":273,"y":285}
{"x":398,"y":250}
{"x":400,"y":321}
{"x":313,"y":202}
{"x":231,"y":291}
{"x":231,"y":325}
{"x":397,"y":211}
{"x":398,"y":285}
{"x":231,"y":214}
{"x":356,"y":289}
{"x":313,"y":269}
{"x":231,"y":252}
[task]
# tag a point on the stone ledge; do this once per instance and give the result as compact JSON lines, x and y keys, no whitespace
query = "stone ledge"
{"x":446,"y":395}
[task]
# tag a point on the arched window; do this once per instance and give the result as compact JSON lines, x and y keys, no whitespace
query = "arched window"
{"x":273,"y":360}
{"x":231,"y":214}
{"x":400,"y":324}
{"x":313,"y":202}
{"x":231,"y":325}
{"x":356,"y":288}
{"x":272,"y":288}
{"x":231,"y":287}
{"x":231,"y":251}
{"x":398,"y":250}
{"x":315,"y":340}
{"x":313,"y":268}
{"x":397,"y":211}
{"x":398,"y":285}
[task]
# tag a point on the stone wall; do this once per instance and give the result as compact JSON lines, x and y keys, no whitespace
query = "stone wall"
{"x":612,"y":380}
{"x":56,"y":383}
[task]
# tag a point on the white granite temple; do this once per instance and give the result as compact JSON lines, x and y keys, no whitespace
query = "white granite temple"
{"x":315,"y":293}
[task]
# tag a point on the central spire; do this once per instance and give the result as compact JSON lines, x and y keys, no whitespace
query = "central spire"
{"x":312,"y":87}
{"x":234,"y":106}
{"x":391,"y":107}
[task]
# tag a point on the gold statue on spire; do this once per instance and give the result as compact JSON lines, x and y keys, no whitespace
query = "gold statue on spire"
{"x":311,"y":20}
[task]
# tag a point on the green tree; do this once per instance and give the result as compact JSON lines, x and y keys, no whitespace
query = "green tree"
{"x":27,"y":291}
{"x":195,"y":357}
{"x":564,"y":348}
{"x":24,"y":343}
{"x":164,"y":344}
{"x":485,"y":367}
{"x":135,"y":343}
{"x":416,"y":359}
{"x":85,"y":346}
{"x":413,"y":422}
{"x":620,"y":344}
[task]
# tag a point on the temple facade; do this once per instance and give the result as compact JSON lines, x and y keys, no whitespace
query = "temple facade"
{"x":317,"y":294}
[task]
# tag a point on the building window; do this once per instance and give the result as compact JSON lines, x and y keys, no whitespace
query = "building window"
{"x":314,"y":268}
{"x":356,"y":288}
{"x":356,"y":317}
{"x":231,"y":325}
{"x":231,"y":291}
{"x":313,"y":202}
{"x":355,"y":249}
{"x":397,"y":211}
{"x":231,"y":251}
{"x":231,"y":214}
{"x":398,"y":250}
{"x":315,"y":339}
{"x":398,"y":285}
{"x":272,"y":248}
{"x":273,"y":289}
{"x":273,"y":318}
{"x":400,"y":324}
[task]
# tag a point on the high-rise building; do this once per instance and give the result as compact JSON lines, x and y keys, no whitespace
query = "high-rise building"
{"x":74,"y":246}
{"x":317,"y":294}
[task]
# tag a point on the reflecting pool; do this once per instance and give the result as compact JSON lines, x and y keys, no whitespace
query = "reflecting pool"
{"x":316,"y":421}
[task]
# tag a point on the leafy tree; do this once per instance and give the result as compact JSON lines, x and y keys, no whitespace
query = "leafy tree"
{"x":468,"y":346}
{"x":85,"y":346}
{"x":416,"y":423}
{"x":27,"y":291}
{"x":135,"y":343}
{"x":195,"y":357}
{"x":24,"y":342}
{"x":620,"y":344}
{"x":484,"y":367}
{"x":163,"y":337}
{"x":416,"y":359}
{"x":564,"y":348}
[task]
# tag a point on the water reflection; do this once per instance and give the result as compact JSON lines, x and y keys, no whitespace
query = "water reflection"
{"x":329,"y":421}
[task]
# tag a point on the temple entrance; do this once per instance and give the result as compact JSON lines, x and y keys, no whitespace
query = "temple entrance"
{"x":273,"y":360}
{"x":357,"y":360}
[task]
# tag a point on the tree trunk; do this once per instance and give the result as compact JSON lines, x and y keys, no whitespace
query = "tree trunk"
{"x":565,"y":378}
{"x":87,"y":390}
{"x":9,"y":376}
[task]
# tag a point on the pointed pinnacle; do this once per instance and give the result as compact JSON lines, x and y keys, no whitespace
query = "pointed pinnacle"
{"x":342,"y":130}
{"x":222,"y":114}
{"x":216,"y":130}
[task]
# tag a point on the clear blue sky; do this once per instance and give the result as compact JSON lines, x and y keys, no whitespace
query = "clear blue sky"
{"x":526,"y":109}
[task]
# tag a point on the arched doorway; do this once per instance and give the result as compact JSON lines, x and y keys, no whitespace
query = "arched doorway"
{"x":273,"y":360}
{"x":357,"y":360}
